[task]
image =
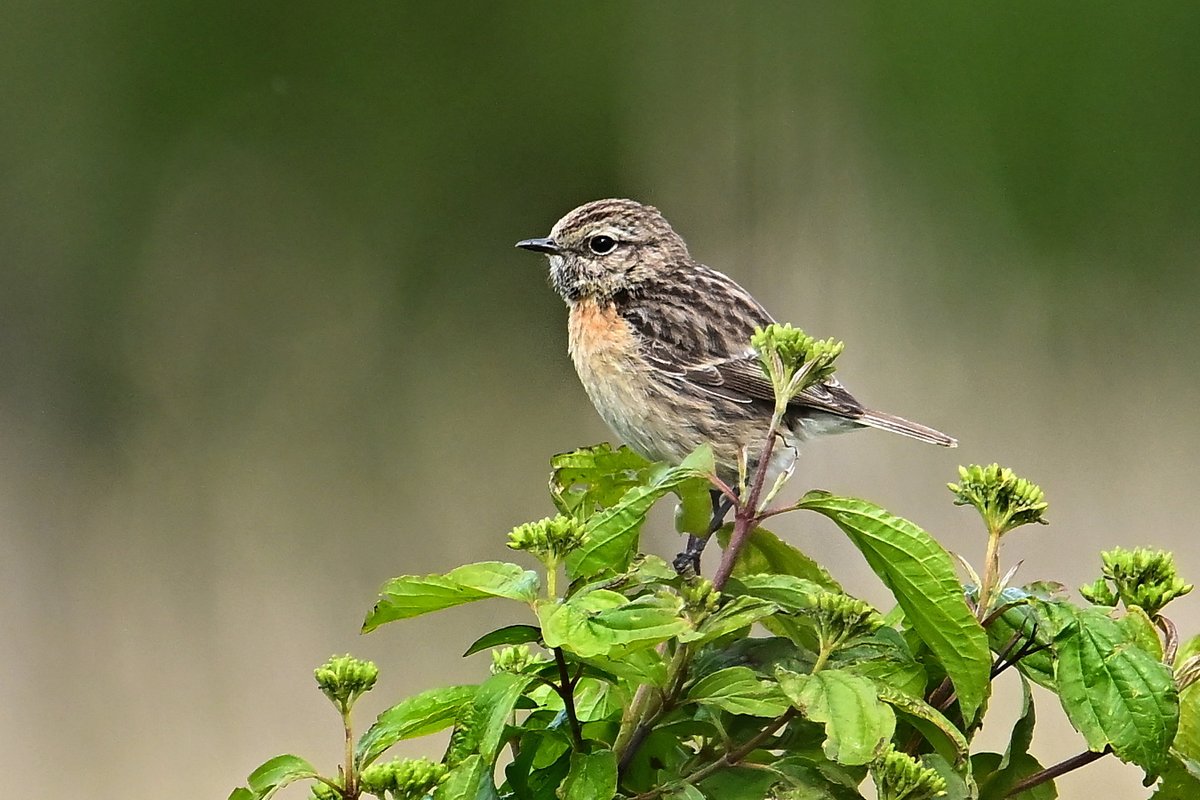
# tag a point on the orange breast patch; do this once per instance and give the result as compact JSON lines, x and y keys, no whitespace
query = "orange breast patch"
{"x":598,"y":333}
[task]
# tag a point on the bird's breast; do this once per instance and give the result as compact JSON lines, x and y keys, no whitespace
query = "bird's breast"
{"x":651,"y":411}
{"x":607,"y":356}
{"x":602,"y":344}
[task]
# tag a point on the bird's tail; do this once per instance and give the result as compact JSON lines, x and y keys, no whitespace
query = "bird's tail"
{"x":889,"y":422}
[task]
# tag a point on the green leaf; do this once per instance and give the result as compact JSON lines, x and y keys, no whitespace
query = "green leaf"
{"x":530,"y":774}
{"x":1115,"y":693}
{"x":762,"y":654}
{"x":548,"y":749}
{"x":510,"y":634}
{"x":857,"y":723}
{"x":613,"y":532}
{"x":418,"y":715}
{"x":786,"y":591}
{"x":597,"y":700}
{"x":1140,"y":630}
{"x":1180,"y":779}
{"x":959,"y":786}
{"x":594,"y":477}
{"x":737,"y":783}
{"x":684,"y":792}
{"x":1022,"y":732}
{"x":738,"y":613}
{"x":1188,"y":649}
{"x":593,"y":776}
{"x":640,"y":666}
{"x":650,"y":569}
{"x":766,"y":553}
{"x":933,"y":725}
{"x":491,"y":707}
{"x":810,"y":776}
{"x":1042,"y":619}
{"x":470,"y":780}
{"x":661,"y":757}
{"x":1187,"y":739}
{"x":884,"y":657}
{"x":242,"y":793}
{"x":273,"y":775}
{"x":921,"y":576}
{"x":413,"y":595}
{"x":606,"y":623}
{"x":996,"y":779}
{"x":700,"y":460}
{"x":739,"y":690}
{"x":694,"y":513}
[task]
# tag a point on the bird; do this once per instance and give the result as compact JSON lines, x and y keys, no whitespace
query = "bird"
{"x":661,"y":344}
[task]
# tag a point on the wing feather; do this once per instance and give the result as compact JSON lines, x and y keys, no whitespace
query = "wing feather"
{"x":741,"y":380}
{"x":686,"y":324}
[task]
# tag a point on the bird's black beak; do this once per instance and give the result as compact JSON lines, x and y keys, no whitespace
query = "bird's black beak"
{"x":546,"y":245}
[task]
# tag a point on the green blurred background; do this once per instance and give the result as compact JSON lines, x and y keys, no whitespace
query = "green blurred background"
{"x":265,"y":341}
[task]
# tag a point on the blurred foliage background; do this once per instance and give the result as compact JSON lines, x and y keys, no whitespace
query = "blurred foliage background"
{"x":265,"y":342}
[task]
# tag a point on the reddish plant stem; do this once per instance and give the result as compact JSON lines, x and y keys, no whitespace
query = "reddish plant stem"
{"x":723,"y":487}
{"x":775,"y":512}
{"x":746,"y":509}
{"x":1058,"y":770}
{"x":1170,"y":638}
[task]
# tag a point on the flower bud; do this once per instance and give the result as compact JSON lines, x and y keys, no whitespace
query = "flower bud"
{"x":784,"y":351}
{"x":840,"y":617}
{"x":1141,"y":577}
{"x":323,"y":791}
{"x":403,"y":779}
{"x":900,"y":777}
{"x":550,"y":539}
{"x":513,"y":659}
{"x":700,"y":595}
{"x":344,"y":678}
{"x":1004,"y":500}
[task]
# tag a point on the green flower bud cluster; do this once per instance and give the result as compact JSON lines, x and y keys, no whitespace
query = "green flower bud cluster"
{"x":1004,"y":500}
{"x":900,"y":777}
{"x":840,"y":618}
{"x":792,"y":359}
{"x":550,"y":539}
{"x":323,"y":791}
{"x":1141,"y":577}
{"x":403,"y":779}
{"x":514,"y":659}
{"x":344,"y":678}
{"x":700,"y":595}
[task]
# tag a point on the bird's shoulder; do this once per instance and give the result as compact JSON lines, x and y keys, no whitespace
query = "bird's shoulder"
{"x":690,"y":315}
{"x":694,"y":324}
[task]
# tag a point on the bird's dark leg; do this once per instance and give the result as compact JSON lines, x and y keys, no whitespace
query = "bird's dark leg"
{"x":688,"y":562}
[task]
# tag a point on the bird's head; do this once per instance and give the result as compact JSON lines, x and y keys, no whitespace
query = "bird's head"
{"x":608,"y":246}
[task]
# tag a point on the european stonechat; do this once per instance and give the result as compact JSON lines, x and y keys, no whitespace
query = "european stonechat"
{"x":662,"y":345}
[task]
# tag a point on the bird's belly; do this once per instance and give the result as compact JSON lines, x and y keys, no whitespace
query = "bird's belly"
{"x":639,"y":422}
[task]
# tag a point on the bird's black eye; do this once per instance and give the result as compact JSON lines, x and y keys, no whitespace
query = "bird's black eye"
{"x":602,"y":245}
